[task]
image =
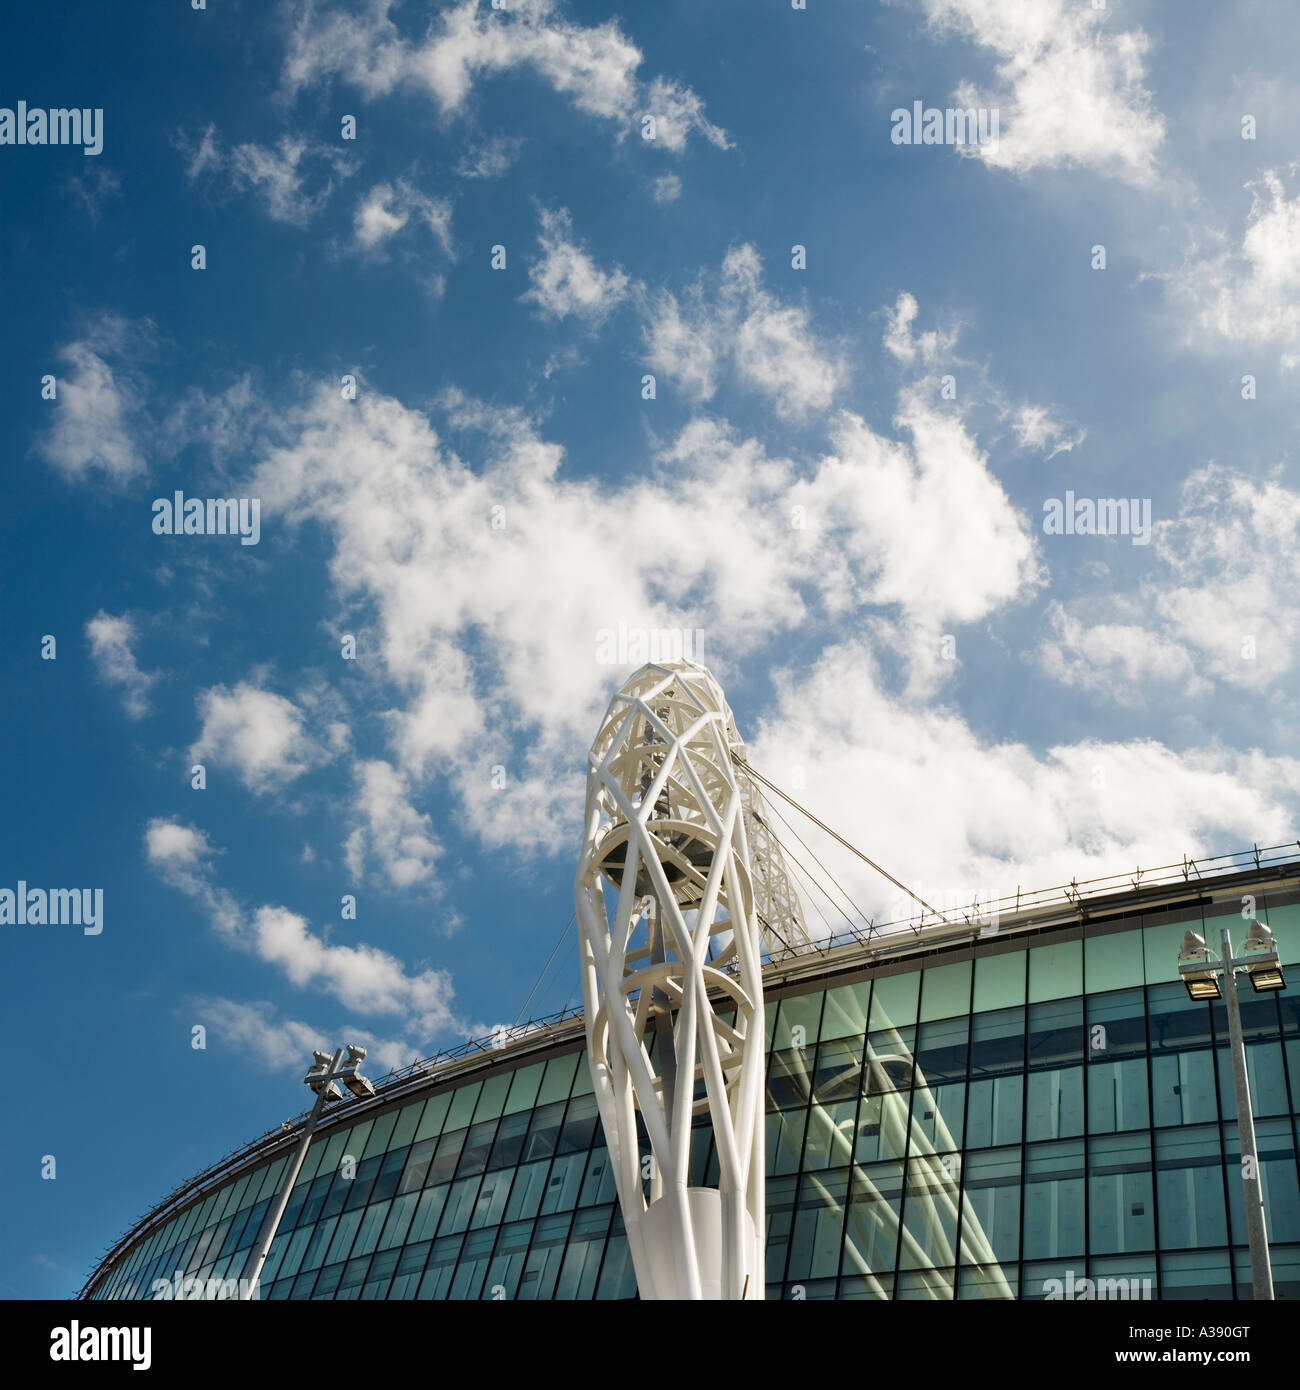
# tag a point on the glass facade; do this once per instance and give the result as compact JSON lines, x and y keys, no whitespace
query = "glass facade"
{"x":998,"y":1125}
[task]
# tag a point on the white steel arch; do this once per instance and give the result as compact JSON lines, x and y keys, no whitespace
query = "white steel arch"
{"x":665,"y":908}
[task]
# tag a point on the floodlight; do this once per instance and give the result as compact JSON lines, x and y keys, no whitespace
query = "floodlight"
{"x":358,"y":1085}
{"x":1262,"y":962}
{"x":1196,"y":966}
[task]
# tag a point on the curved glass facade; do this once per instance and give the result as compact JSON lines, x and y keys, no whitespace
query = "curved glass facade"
{"x":1005,"y":1122}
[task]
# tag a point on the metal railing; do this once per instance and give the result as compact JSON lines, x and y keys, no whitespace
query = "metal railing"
{"x":1076,"y":894}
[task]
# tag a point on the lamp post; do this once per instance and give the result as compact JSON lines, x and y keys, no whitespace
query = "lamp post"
{"x":322,"y":1078}
{"x":1201,"y":972}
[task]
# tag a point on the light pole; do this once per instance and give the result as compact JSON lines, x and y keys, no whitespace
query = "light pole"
{"x":322,"y":1079}
{"x":1201,"y":972}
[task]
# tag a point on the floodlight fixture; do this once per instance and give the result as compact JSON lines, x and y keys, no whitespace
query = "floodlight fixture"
{"x":1263,"y":964}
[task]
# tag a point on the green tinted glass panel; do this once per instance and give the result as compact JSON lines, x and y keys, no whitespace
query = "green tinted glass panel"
{"x":524,"y":1088}
{"x":1284,"y":922}
{"x":492,"y":1098}
{"x":1112,"y":962}
{"x":801,"y":1011}
{"x":945,"y":991}
{"x":435,"y":1113}
{"x":999,"y":982}
{"x":893,"y":1000}
{"x":463,"y":1101}
{"x":380,"y":1134}
{"x":1055,"y":972}
{"x":407,"y":1119}
{"x":558,"y":1080}
{"x":845,"y":1014}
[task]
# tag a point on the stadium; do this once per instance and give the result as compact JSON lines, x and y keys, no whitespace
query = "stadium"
{"x":945,"y":1130}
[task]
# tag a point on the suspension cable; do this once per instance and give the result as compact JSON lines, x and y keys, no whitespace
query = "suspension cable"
{"x":822,"y":867}
{"x":573,"y":917}
{"x":853,"y":849}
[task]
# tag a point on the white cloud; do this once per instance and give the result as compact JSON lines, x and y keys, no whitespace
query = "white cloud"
{"x":93,"y":189}
{"x":1115,"y":659}
{"x":1039,"y":428}
{"x":111,"y":639}
{"x":594,"y":66}
{"x":389,"y":207}
{"x":928,"y":349}
{"x":1250,"y":294}
{"x":566,"y":281}
{"x":998,"y":814}
{"x":280,"y":1043}
{"x":293,"y":179}
{"x":677,"y":112}
{"x":97,"y":420}
{"x":1224,"y":606}
{"x":771,"y":345}
{"x":928,"y":528}
{"x":489,"y":632}
{"x":1070,"y":88}
{"x":175,"y":848}
{"x":488,"y":160}
{"x":391,"y":830}
{"x":667,"y":188}
{"x":258,"y":733}
{"x":361,"y":977}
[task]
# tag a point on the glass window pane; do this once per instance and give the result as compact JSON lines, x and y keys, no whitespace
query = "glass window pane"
{"x":1054,"y":1104}
{"x":509,"y":1142}
{"x":997,"y":1042}
{"x":1117,"y":1096}
{"x":894,"y":999}
{"x":435,"y":1112}
{"x":1056,"y":1033}
{"x":845,"y":1013}
{"x":1113,"y":962}
{"x":817,"y":1230}
{"x":999,"y":981}
{"x":1182,"y":1088}
{"x":872,"y":1219}
{"x":1055,"y":972}
{"x":523,"y":1088}
{"x":404,"y":1130}
{"x":558,"y":1080}
{"x":797,"y":1024}
{"x":991,"y":1206}
{"x":945,"y":991}
{"x":1121,"y":1214}
{"x":463,"y":1101}
{"x":1117,"y":1025}
{"x":380,"y":1134}
{"x":1189,"y":1188}
{"x":1054,"y":1201}
{"x":994,"y":1111}
{"x":492,"y":1098}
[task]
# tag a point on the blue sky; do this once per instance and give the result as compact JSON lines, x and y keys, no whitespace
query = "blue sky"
{"x":974,"y":701}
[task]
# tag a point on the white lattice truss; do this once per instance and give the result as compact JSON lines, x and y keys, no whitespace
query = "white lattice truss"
{"x":666,"y":913}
